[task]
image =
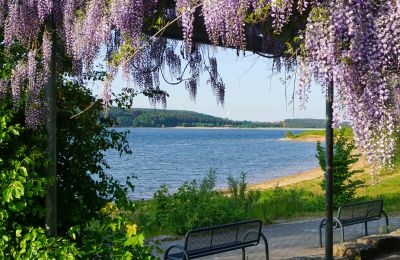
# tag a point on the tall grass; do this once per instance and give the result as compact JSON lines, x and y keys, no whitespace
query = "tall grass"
{"x":283,"y":203}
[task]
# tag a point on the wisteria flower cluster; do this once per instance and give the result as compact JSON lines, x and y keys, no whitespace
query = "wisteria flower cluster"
{"x":355,"y":45}
{"x":83,"y":27}
{"x":152,"y":63}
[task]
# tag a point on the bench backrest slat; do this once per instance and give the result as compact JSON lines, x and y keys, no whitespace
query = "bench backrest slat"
{"x":361,"y":210}
{"x":223,"y":236}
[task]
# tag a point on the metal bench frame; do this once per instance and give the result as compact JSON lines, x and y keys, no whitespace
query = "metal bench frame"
{"x":243,"y":238}
{"x":373,"y":211}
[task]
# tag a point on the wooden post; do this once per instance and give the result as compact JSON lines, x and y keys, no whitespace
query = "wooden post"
{"x":51,"y":127}
{"x":329,"y":174}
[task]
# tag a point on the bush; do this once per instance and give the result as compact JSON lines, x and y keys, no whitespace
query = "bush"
{"x":344,"y":186}
{"x":23,"y":189}
{"x":83,"y":185}
{"x":198,"y":205}
{"x":113,"y":236}
{"x":241,"y":199}
{"x":289,"y":134}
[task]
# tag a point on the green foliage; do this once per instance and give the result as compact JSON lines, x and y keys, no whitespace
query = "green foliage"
{"x":240,"y":198}
{"x":344,"y":186}
{"x":108,"y":235}
{"x":141,"y":117}
{"x":194,"y":206}
{"x":281,"y":203}
{"x":289,"y":134}
{"x":83,"y":186}
{"x":20,"y":200}
{"x":304,"y":123}
{"x":318,"y":14}
{"x":309,"y":133}
{"x":238,"y":187}
{"x":197,"y":205}
{"x":347,"y":132}
{"x":258,"y":15}
{"x":113,"y":236}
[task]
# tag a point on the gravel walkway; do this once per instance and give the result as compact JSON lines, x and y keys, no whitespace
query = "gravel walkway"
{"x":294,"y":240}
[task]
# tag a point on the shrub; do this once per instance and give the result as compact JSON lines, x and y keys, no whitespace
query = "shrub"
{"x":113,"y":236}
{"x":344,"y":186}
{"x":241,"y":199}
{"x":191,"y":206}
{"x":83,"y":186}
{"x":289,"y":134}
{"x":198,"y":205}
{"x":23,"y":189}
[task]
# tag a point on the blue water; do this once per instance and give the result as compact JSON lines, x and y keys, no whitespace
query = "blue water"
{"x":173,"y":155}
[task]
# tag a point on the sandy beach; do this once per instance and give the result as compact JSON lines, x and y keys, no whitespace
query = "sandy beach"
{"x":293,"y":178}
{"x":288,"y":180}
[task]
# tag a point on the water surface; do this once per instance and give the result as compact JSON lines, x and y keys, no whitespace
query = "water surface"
{"x":173,"y":155}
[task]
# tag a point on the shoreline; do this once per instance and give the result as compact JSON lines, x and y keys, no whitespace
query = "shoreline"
{"x":287,"y":180}
{"x":222,"y":127}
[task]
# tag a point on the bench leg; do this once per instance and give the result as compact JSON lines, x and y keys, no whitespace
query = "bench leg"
{"x":342,"y":235}
{"x":387,"y":221}
{"x":320,"y":236}
{"x":243,"y":253}
{"x":320,"y":232}
{"x":266,"y":246}
{"x":366,"y":228}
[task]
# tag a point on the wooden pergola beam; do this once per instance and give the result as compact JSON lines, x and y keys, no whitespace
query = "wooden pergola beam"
{"x":260,"y":38}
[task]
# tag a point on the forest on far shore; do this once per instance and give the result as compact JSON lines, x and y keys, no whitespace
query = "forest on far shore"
{"x":144,"y":117}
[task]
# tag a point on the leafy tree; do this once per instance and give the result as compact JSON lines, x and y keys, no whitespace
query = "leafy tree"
{"x":83,"y":185}
{"x":344,"y":156}
{"x":88,"y":220}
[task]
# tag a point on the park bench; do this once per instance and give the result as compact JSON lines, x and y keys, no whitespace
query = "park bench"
{"x":355,"y":213}
{"x":218,"y":239}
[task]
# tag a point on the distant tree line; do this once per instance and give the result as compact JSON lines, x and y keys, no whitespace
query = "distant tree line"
{"x":304,"y":123}
{"x":143,"y":117}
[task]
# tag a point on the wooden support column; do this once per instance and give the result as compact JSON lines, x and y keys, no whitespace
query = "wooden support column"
{"x":51,"y":127}
{"x":329,"y":174}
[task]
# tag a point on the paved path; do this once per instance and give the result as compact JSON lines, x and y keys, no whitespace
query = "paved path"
{"x":288,"y":240}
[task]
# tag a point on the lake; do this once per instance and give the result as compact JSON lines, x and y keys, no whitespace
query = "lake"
{"x":172,"y":156}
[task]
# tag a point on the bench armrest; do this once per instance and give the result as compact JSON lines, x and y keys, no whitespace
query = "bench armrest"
{"x":335,"y":224}
{"x":185,"y":255}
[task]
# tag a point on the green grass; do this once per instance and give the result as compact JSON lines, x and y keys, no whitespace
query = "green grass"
{"x":316,"y":133}
{"x":308,"y":133}
{"x":288,"y":203}
{"x":386,"y":188}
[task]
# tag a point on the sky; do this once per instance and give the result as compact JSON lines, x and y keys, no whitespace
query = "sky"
{"x":252,"y":92}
